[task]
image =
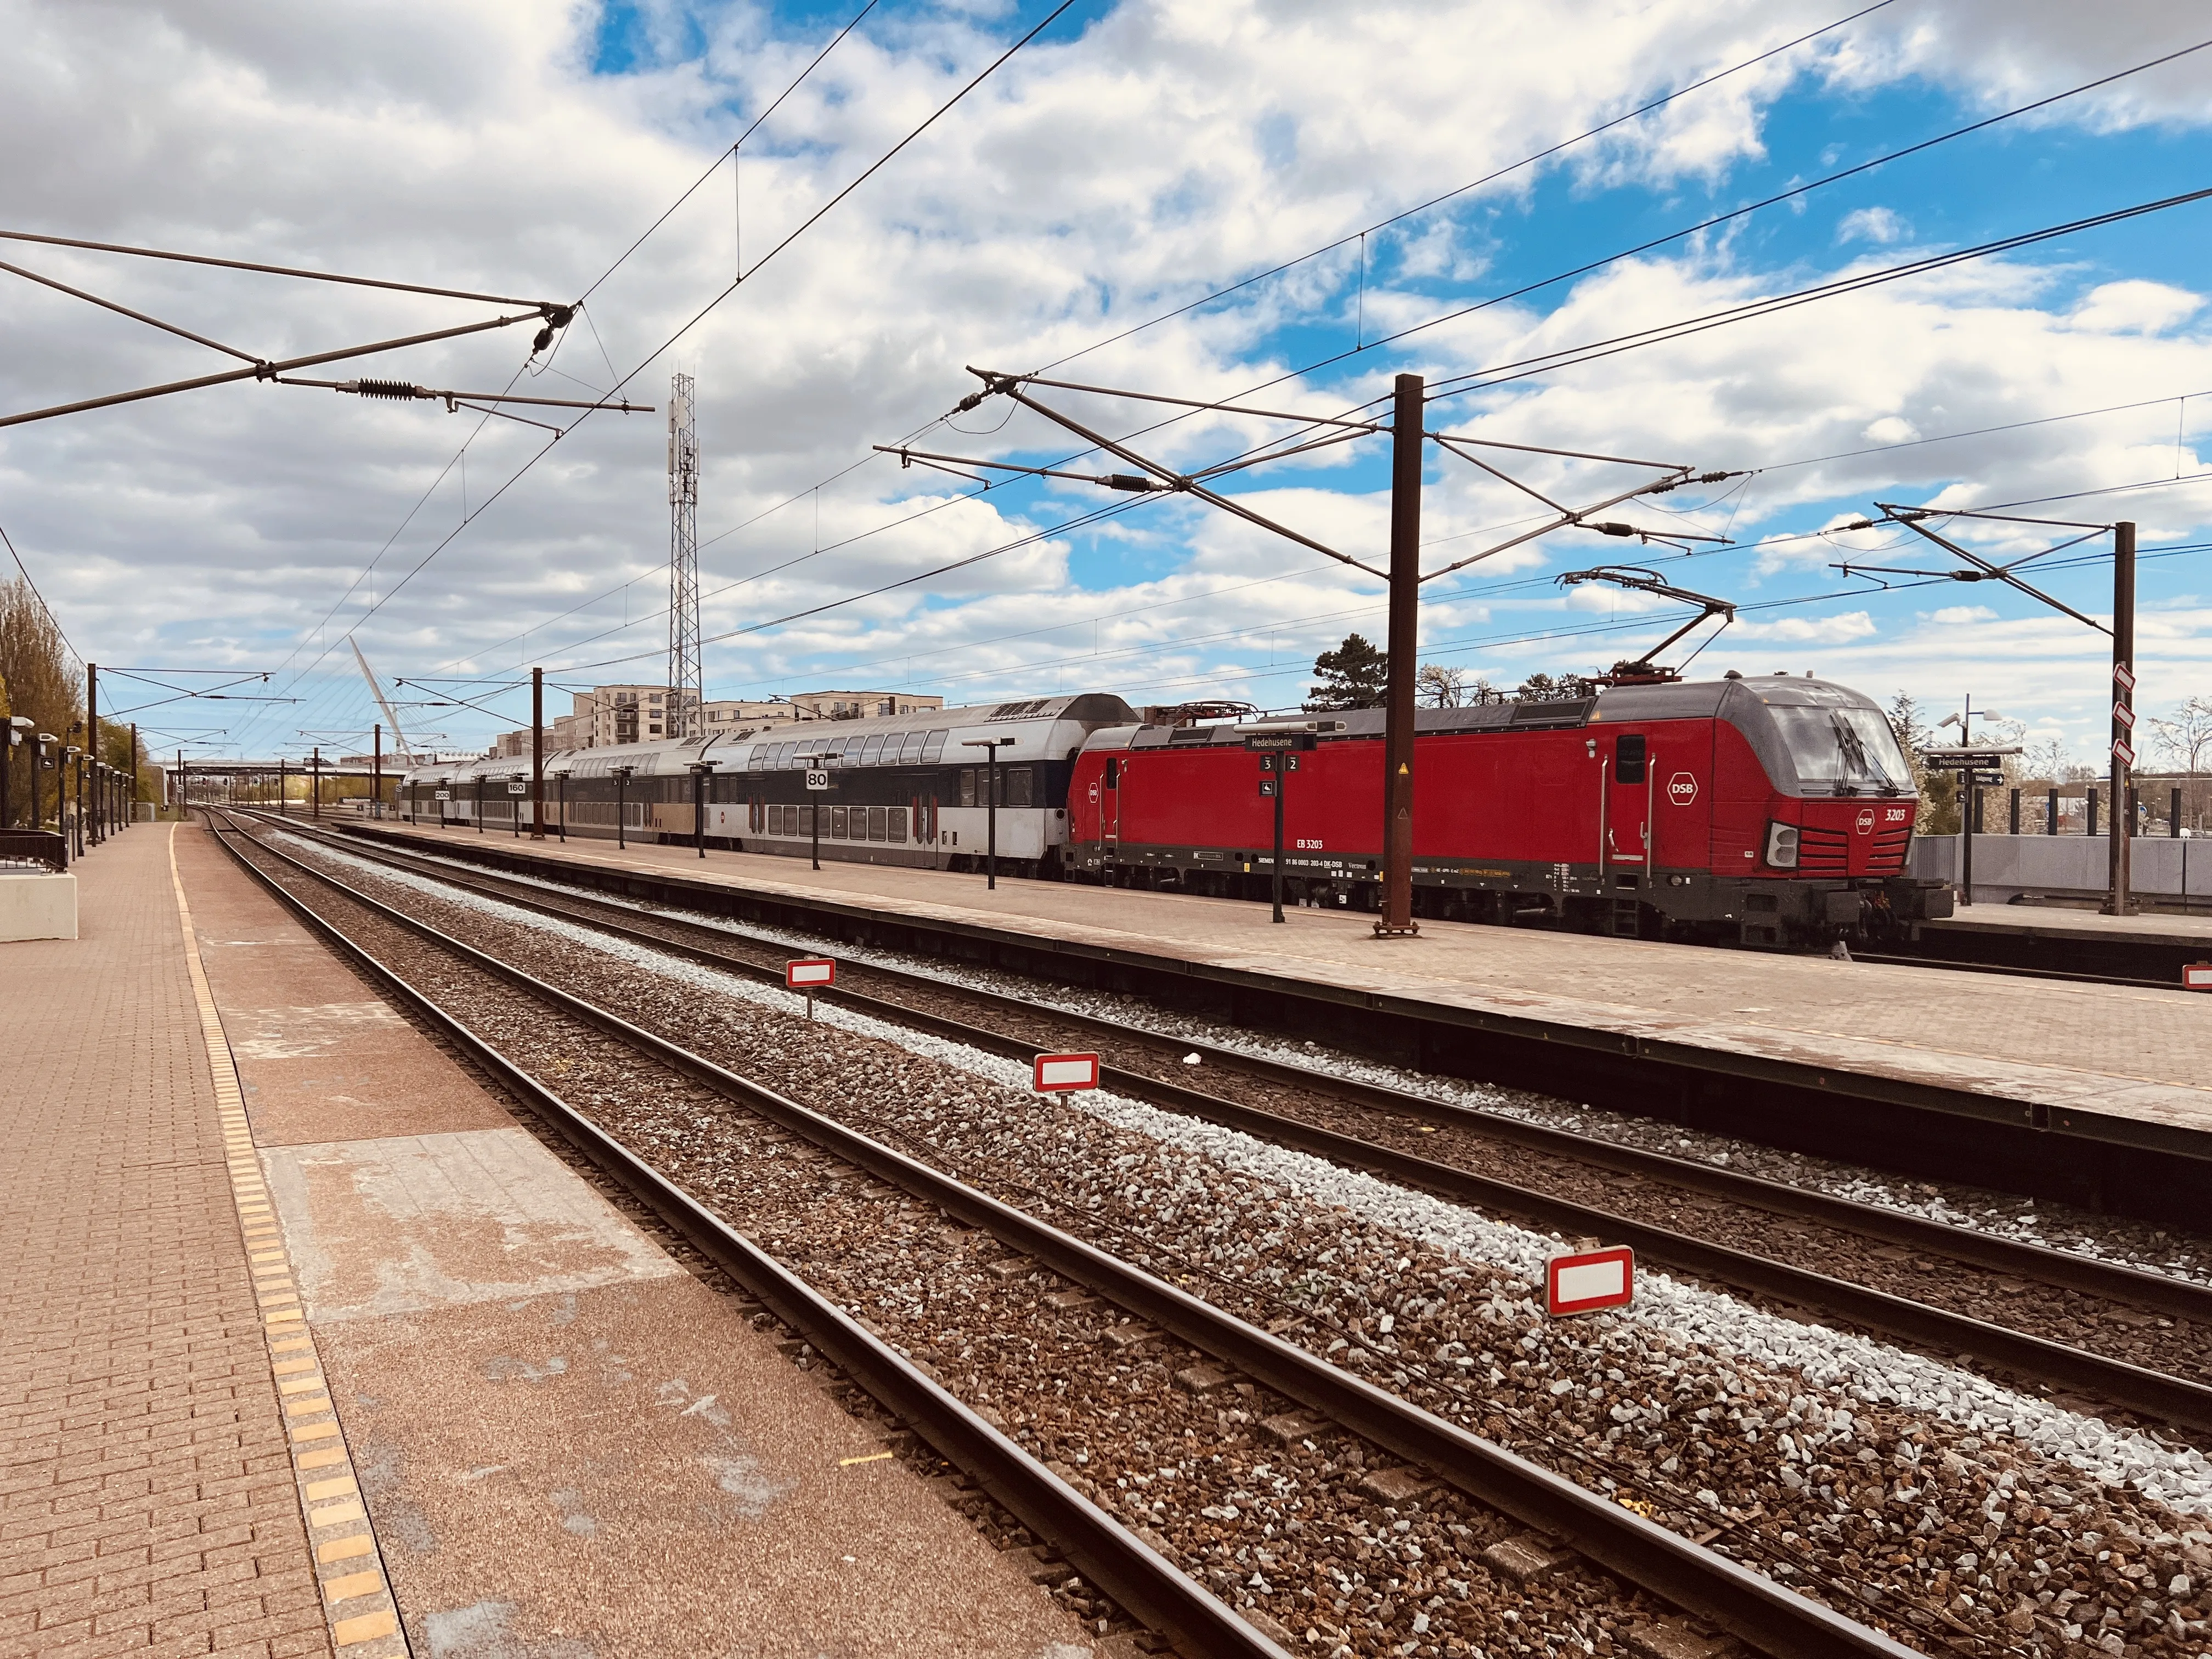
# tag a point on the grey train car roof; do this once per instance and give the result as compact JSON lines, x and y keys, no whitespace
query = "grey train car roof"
{"x":1030,"y":722}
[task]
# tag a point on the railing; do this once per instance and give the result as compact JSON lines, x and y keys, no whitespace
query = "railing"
{"x":43,"y":847}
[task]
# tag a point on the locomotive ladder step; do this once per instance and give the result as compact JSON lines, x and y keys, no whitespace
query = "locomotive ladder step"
{"x":1627,"y":918}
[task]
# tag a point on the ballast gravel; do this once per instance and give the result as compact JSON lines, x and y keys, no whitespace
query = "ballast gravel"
{"x":2150,"y":1246}
{"x":1919,"y":1496}
{"x":1315,"y":1535}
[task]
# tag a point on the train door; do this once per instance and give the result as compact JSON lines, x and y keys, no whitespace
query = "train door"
{"x":1627,"y":838}
{"x":1109,"y":806}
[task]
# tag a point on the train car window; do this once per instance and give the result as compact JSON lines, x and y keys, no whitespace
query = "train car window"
{"x":876,"y":831}
{"x":837,"y":822}
{"x":1019,"y":784}
{"x":870,"y":748}
{"x":784,"y":754}
{"x":1114,"y":771}
{"x":806,"y":821}
{"x":897,"y":819}
{"x":935,"y":745}
{"x":1628,"y":757}
{"x":968,"y":786}
{"x":915,"y":742}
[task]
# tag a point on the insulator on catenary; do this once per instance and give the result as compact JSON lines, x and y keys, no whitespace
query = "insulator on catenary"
{"x":385,"y":389}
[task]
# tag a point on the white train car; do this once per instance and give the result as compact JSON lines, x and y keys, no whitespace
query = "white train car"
{"x":912,"y":789}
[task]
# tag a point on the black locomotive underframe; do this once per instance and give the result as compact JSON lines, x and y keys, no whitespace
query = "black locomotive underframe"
{"x":1771,"y":909}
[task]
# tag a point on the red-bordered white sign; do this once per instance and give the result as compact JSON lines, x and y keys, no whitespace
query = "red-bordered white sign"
{"x":1584,"y":1281}
{"x":1056,"y":1073}
{"x":2197,"y":977}
{"x":809,"y":974}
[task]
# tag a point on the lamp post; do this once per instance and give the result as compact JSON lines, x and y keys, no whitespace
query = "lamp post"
{"x":480,"y":803}
{"x":560,"y":787}
{"x":990,"y":746}
{"x":41,"y":744}
{"x":315,"y":762}
{"x":621,"y":811}
{"x":72,"y":777}
{"x":701,"y":771}
{"x":514,"y":790}
{"x":17,"y":725}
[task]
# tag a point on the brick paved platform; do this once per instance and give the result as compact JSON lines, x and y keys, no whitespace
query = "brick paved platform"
{"x":148,"y":1501}
{"x":2088,"y":1053}
{"x":564,"y":1445}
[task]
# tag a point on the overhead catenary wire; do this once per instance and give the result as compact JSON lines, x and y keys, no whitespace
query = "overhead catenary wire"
{"x":1754,"y":309}
{"x":1972,"y":127}
{"x":1524,"y":162}
{"x":807,"y":224}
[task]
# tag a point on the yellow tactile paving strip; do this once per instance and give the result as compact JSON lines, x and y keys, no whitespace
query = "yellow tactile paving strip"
{"x":356,"y":1596}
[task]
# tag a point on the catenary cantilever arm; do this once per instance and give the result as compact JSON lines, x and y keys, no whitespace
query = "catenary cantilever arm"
{"x":1174,"y":480}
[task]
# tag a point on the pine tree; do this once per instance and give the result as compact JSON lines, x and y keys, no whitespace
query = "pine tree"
{"x":1353,"y":676}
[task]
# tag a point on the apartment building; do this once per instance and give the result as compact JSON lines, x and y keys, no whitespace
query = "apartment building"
{"x":860,"y":705}
{"x":610,"y":714}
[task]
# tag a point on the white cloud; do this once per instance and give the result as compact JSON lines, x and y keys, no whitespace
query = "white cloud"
{"x":1953,"y":615}
{"x":2135,"y":307}
{"x":1178,"y":143}
{"x":1872,"y":224}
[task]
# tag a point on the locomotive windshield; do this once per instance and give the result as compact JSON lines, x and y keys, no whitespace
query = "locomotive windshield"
{"x":1847,"y":749}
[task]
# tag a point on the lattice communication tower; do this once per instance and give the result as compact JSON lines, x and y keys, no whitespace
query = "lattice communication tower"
{"x":685,"y":679}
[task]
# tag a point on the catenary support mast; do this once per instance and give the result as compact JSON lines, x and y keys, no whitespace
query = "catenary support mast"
{"x":684,"y":679}
{"x":1396,"y":921}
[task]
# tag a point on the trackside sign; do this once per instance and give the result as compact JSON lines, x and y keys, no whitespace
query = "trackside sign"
{"x":811,"y":975}
{"x":1584,"y":1281}
{"x":1056,"y":1073}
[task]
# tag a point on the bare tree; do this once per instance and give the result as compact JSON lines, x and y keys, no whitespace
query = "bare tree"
{"x":1439,"y":686}
{"x":2186,"y":736}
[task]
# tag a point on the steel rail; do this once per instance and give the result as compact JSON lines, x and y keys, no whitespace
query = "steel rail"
{"x":1148,"y":1586}
{"x":2139,"y":1287}
{"x":1749,"y":1606}
{"x":2136,"y":1388}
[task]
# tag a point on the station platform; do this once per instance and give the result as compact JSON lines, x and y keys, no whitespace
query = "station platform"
{"x":2121,"y":1065}
{"x":2072,"y":925}
{"x":311,"y":1349}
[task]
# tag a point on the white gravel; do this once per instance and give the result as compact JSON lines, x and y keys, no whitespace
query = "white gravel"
{"x":1853,"y":1368}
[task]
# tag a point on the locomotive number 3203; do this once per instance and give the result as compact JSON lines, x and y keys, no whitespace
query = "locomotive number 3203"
{"x":1309,"y":846}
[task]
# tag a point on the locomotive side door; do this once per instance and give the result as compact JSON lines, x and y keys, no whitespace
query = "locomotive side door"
{"x":1627,"y":838}
{"x":1109,"y":805}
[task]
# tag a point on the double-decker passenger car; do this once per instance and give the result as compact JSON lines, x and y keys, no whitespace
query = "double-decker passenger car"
{"x":1768,"y":811}
{"x":906,"y":789}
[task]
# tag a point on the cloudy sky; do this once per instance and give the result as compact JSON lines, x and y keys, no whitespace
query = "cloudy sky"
{"x":1456,"y":191}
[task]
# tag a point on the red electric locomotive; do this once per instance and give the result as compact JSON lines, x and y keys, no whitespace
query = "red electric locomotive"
{"x":1764,"y":811}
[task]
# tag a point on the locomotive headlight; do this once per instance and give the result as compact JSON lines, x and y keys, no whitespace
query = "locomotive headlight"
{"x":1782,"y":846}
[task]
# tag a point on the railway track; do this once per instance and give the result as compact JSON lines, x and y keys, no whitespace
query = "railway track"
{"x":1318,"y":1399}
{"x":1397,"y":1135}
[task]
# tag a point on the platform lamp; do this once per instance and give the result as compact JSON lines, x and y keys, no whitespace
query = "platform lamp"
{"x":39,"y":744}
{"x":561,"y":797}
{"x":622,"y":775}
{"x":72,"y":825}
{"x":817,"y":762}
{"x":18,"y":725}
{"x":990,"y":746}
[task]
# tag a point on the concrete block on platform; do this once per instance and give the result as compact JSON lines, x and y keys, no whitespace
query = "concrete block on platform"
{"x":37,"y":904}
